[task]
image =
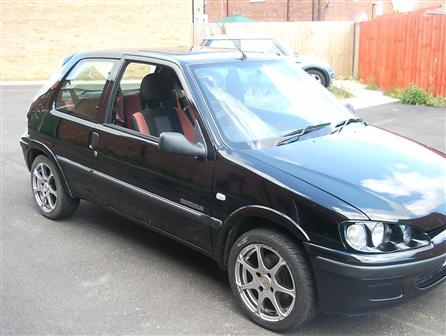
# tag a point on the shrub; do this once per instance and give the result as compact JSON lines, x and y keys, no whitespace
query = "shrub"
{"x":437,"y":101}
{"x":394,"y":93}
{"x":372,"y":85}
{"x":413,"y":95}
{"x":340,"y":92}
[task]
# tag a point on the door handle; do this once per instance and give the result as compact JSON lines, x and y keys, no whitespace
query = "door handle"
{"x":94,"y":140}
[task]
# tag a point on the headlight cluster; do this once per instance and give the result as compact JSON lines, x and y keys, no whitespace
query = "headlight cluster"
{"x":383,"y":237}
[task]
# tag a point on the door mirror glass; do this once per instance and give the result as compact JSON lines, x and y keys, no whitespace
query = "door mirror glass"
{"x":176,"y":143}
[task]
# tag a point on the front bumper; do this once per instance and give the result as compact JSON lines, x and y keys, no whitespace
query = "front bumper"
{"x":355,"y":284}
{"x":331,"y":74}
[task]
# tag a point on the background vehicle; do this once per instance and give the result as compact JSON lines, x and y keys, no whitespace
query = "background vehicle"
{"x":318,"y":69}
{"x":243,"y":159}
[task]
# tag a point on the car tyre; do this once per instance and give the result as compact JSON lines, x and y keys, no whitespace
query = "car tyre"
{"x":281,"y":280}
{"x":318,"y":76}
{"x":49,"y":192}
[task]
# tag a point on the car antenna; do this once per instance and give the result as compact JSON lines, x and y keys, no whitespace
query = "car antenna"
{"x":237,"y":46}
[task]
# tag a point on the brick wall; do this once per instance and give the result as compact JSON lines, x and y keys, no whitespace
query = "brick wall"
{"x":264,"y":10}
{"x":345,"y":10}
{"x":37,"y":35}
{"x":267,"y":10}
{"x":298,"y":10}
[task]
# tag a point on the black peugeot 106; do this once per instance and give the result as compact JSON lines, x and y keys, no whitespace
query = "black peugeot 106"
{"x":248,"y":160}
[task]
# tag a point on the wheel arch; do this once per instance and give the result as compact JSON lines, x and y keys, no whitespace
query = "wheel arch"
{"x":321,"y":70}
{"x":250,"y":217}
{"x":36,"y":148}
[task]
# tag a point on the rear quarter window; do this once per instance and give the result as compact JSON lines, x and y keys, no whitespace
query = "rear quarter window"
{"x":81,"y":91}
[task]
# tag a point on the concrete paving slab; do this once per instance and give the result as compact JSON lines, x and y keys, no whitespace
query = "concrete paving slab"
{"x":362,"y":97}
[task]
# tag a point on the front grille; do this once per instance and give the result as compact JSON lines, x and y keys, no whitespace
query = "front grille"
{"x":429,"y":279}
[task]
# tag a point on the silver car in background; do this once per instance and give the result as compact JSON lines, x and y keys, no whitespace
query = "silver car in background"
{"x":318,"y":69}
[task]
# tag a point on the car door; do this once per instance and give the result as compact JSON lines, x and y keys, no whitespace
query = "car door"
{"x":75,"y":117}
{"x":169,"y":192}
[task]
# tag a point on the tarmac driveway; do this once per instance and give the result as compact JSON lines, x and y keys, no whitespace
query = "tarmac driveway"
{"x":422,"y":123}
{"x":98,"y":273}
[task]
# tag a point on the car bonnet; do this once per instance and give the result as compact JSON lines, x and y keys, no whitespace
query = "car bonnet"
{"x":388,"y":177}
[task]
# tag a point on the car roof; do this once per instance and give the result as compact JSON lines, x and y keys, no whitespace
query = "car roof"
{"x":180,"y":55}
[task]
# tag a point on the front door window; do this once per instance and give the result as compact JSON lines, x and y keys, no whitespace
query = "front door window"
{"x":150,"y":100}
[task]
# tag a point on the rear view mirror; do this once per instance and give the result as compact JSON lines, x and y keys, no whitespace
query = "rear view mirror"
{"x":176,"y":143}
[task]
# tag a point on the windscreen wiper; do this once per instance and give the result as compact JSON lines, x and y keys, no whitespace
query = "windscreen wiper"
{"x":294,"y":135}
{"x":339,"y":126}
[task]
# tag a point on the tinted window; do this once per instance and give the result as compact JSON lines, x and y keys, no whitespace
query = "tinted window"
{"x":81,"y":91}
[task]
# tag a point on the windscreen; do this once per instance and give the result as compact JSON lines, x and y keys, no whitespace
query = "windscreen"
{"x":255,"y":103}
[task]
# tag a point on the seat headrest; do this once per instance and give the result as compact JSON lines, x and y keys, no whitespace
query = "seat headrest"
{"x":155,"y":87}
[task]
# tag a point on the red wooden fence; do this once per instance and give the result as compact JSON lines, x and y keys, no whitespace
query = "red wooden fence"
{"x":402,"y":49}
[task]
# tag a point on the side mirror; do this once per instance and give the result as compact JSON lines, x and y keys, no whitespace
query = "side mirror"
{"x":176,"y":143}
{"x":350,"y":108}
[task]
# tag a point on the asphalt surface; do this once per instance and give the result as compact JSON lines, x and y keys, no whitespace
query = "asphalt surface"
{"x":97,"y":273}
{"x":421,"y":123}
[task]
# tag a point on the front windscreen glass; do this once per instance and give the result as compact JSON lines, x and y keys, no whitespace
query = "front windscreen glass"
{"x":256,"y":103}
{"x":263,"y":46}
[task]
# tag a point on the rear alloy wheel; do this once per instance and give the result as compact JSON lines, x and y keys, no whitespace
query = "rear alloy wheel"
{"x":271,"y":280}
{"x":318,"y":76}
{"x":48,"y":190}
{"x":44,"y":187}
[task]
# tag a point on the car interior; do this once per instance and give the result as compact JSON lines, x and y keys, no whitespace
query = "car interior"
{"x":80,"y":92}
{"x":153,"y":102}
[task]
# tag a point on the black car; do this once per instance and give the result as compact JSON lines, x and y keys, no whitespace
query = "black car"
{"x":243,"y":159}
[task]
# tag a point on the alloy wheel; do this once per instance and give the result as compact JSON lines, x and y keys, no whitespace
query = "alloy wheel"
{"x":44,"y":187}
{"x":265,"y":282}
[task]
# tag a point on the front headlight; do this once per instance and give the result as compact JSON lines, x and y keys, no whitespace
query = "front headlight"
{"x":376,"y":237}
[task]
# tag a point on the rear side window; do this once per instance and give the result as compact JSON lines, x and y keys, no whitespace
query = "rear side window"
{"x":81,"y":91}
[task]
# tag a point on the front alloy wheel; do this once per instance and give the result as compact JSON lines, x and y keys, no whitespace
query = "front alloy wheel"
{"x":264,"y":282}
{"x":271,"y":279}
